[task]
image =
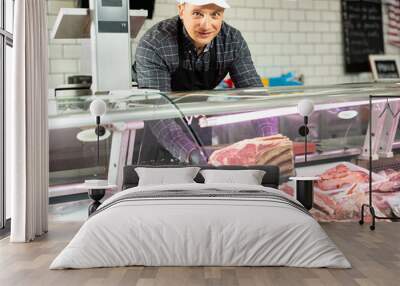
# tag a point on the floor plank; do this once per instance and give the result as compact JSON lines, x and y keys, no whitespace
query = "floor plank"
{"x":375,"y":257}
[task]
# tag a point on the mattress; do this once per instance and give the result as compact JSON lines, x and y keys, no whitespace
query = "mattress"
{"x":200,"y":225}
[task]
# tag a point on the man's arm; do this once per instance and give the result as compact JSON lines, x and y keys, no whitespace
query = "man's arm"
{"x":172,"y":137}
{"x":242,"y":70}
{"x":244,"y":74}
{"x":153,"y":72}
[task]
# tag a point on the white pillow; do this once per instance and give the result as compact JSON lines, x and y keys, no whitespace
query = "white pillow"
{"x":163,"y":176}
{"x":248,"y":177}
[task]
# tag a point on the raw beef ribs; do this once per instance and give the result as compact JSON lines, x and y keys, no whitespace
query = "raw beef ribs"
{"x":271,"y":150}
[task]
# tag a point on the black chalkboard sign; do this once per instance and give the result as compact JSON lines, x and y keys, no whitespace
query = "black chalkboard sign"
{"x":362,"y":33}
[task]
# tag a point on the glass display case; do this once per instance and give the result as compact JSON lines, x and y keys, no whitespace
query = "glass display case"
{"x":238,"y":126}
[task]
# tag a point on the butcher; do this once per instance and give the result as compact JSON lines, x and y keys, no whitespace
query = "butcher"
{"x":194,"y":50}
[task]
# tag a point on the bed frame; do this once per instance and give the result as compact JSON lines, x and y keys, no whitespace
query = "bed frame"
{"x":271,"y":177}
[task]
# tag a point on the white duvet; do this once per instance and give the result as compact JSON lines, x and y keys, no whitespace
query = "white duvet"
{"x":200,"y":232}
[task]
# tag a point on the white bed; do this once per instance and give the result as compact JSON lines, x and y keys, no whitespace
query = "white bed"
{"x":255,"y":226}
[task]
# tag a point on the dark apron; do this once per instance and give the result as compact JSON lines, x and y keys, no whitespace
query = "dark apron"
{"x":183,"y":80}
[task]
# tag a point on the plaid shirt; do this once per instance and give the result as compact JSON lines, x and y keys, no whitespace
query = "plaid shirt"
{"x":157,"y":58}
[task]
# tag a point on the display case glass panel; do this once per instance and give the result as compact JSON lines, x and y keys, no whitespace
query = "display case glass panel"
{"x":238,"y":127}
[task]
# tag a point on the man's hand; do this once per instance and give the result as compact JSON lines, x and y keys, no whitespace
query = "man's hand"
{"x":197,"y":157}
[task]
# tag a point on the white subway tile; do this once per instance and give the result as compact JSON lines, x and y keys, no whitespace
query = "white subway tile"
{"x":329,"y":80}
{"x":266,"y":60}
{"x":255,"y":3}
{"x":329,"y":59}
{"x":237,"y":3}
{"x":165,"y":10}
{"x":272,"y":3}
{"x":314,"y":60}
{"x":322,"y":70}
{"x":289,"y":26}
{"x":272,"y":49}
{"x":264,"y":37}
{"x":51,"y":19}
{"x":240,"y":25}
{"x":230,"y":14}
{"x":289,"y":4}
{"x":61,"y":41}
{"x":330,"y":16}
{"x":55,"y":51}
{"x":322,"y":5}
{"x":296,"y":15}
{"x":72,"y":51}
{"x":298,"y":37}
{"x":273,"y":71}
{"x":282,"y":60}
{"x":306,"y":26}
{"x":255,"y":25}
{"x":306,"y":49}
{"x":310,"y":81}
{"x":306,"y":4}
{"x":336,"y":70}
{"x":273,"y":26}
{"x":334,"y":5}
{"x":257,"y":49}
{"x":280,"y":14}
{"x":63,"y":66}
{"x":330,"y":38}
{"x":53,"y":7}
{"x":263,"y":14}
{"x":307,"y":71}
{"x":250,"y":37}
{"x":314,"y":38}
{"x":322,"y":49}
{"x":335,"y":27}
{"x":298,"y":60}
{"x":336,"y":49}
{"x":245,"y":13}
{"x":289,"y":49}
{"x":281,"y":38}
{"x":321,"y":27}
{"x":55,"y":80}
{"x":313,"y":15}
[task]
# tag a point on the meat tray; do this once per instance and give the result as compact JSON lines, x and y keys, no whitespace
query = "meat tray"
{"x":318,"y":170}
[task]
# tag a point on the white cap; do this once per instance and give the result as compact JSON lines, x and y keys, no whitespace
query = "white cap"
{"x":220,"y":3}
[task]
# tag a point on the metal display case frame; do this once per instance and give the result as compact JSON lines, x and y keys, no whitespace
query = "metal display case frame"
{"x":395,"y":114}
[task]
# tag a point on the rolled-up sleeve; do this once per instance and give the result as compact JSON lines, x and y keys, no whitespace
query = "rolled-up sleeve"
{"x":173,"y":138}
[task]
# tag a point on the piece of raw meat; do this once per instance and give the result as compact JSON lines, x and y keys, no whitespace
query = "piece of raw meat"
{"x":337,"y":177}
{"x":271,"y":150}
{"x":287,"y":189}
{"x":324,"y":203}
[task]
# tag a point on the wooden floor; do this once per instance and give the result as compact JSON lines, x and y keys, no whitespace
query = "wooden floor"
{"x":375,"y":257}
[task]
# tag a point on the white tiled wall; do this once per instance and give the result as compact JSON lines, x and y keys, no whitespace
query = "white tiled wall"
{"x":303,"y":36}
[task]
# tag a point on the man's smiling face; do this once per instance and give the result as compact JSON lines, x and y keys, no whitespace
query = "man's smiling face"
{"x":203,"y":23}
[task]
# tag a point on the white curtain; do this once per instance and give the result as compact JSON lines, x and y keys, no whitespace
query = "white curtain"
{"x":26,"y":121}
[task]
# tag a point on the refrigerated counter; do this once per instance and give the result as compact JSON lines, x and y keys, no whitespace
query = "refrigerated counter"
{"x":229,"y":116}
